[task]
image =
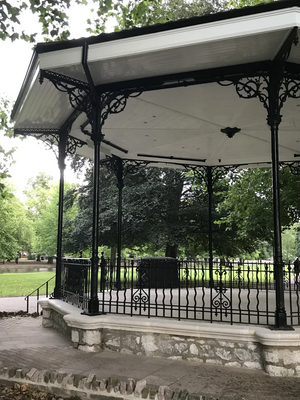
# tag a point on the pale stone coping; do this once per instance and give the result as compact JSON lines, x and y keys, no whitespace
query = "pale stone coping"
{"x":60,"y":306}
{"x":217,"y":331}
{"x":278,"y":338}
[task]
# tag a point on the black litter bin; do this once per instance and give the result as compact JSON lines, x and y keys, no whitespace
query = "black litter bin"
{"x":76,"y":277}
{"x":158,"y":272}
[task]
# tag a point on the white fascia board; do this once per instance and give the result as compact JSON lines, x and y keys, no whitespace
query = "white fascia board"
{"x":175,"y":38}
{"x":30,"y":78}
{"x":61,"y":58}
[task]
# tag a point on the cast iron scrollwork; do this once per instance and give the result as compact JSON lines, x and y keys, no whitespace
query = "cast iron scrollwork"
{"x":79,"y":92}
{"x":259,"y":86}
{"x":35,"y":131}
{"x":122,"y":167}
{"x":51,"y":138}
{"x":140,"y":297}
{"x":114,"y":103}
{"x":222,"y":171}
{"x":290,"y":88}
{"x":218,"y":172}
{"x":51,"y":141}
{"x":73,"y":144}
{"x":132,"y":166}
{"x":221,"y":301}
{"x":294,"y":167}
{"x":83,"y":99}
{"x":251,"y":87}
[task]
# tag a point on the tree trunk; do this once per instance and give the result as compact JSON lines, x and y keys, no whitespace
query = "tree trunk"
{"x":113,"y":253}
{"x":50,"y":260}
{"x":38,"y":257}
{"x":174,"y":186}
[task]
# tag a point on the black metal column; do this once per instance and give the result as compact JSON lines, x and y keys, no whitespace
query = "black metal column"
{"x":61,"y":163}
{"x":274,"y":119}
{"x":120,"y":186}
{"x":93,"y":306}
{"x":210,"y":225}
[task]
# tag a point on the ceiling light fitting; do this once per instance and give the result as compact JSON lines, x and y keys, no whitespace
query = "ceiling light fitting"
{"x":230,"y":132}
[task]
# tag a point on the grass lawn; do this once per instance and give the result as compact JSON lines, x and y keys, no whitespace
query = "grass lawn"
{"x":19,"y":284}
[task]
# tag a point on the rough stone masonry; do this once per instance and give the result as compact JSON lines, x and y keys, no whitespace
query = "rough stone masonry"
{"x":255,"y":347}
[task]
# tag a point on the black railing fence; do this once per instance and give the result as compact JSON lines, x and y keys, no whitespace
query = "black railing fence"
{"x":36,"y":294}
{"x":225,"y":291}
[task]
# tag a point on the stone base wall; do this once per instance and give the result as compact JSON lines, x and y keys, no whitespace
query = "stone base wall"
{"x":87,"y":340}
{"x":210,"y":351}
{"x":54,"y":319}
{"x":253,"y":347}
{"x":281,"y":361}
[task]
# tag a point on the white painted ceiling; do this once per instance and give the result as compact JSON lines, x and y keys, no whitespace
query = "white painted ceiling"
{"x":175,"y":123}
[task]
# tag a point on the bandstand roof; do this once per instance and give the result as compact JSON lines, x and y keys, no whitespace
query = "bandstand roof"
{"x":182,"y":108}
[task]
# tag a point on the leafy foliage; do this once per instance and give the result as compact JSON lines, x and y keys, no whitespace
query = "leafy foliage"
{"x":6,"y":125}
{"x":37,"y":194}
{"x":6,"y":157}
{"x":245,"y":3}
{"x":249,"y":203}
{"x":289,"y":252}
{"x":46,"y":225}
{"x":16,"y":231}
{"x":5,"y":163}
{"x":137,"y":13}
{"x":41,"y":202}
{"x":162,"y":209}
{"x":52,"y":15}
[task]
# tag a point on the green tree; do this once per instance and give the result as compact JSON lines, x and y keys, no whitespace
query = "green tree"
{"x":5,"y":163}
{"x":297,"y":239}
{"x":51,"y":14}
{"x":45,"y":217}
{"x":289,"y":251}
{"x":42,"y":208}
{"x":6,"y":156}
{"x":37,"y":194}
{"x":6,"y":125}
{"x":246,"y":3}
{"x":137,"y":13}
{"x":16,"y":230}
{"x":163,"y":210}
{"x":249,"y":203}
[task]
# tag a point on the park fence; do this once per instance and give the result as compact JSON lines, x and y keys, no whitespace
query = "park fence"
{"x":220,"y":291}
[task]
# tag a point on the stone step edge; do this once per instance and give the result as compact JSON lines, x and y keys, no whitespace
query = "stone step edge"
{"x":88,"y":387}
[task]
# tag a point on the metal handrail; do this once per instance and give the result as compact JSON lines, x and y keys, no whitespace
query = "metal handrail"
{"x":37,"y":291}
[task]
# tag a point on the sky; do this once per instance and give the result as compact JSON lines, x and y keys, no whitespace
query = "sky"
{"x":31,"y":156}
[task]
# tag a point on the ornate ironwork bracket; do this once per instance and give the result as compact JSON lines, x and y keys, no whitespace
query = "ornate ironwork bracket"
{"x":251,"y":87}
{"x":52,"y":137}
{"x":122,"y":167}
{"x":259,"y":87}
{"x":294,"y":167}
{"x":82,"y":97}
{"x":274,"y":86}
{"x":218,"y":172}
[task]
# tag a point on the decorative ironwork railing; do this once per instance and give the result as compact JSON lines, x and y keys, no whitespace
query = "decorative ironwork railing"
{"x":233,"y":292}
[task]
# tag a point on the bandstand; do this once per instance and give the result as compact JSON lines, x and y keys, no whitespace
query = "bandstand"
{"x":209,"y":94}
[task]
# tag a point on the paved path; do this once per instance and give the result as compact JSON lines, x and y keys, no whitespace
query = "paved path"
{"x":24,"y":343}
{"x":15,"y":304}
